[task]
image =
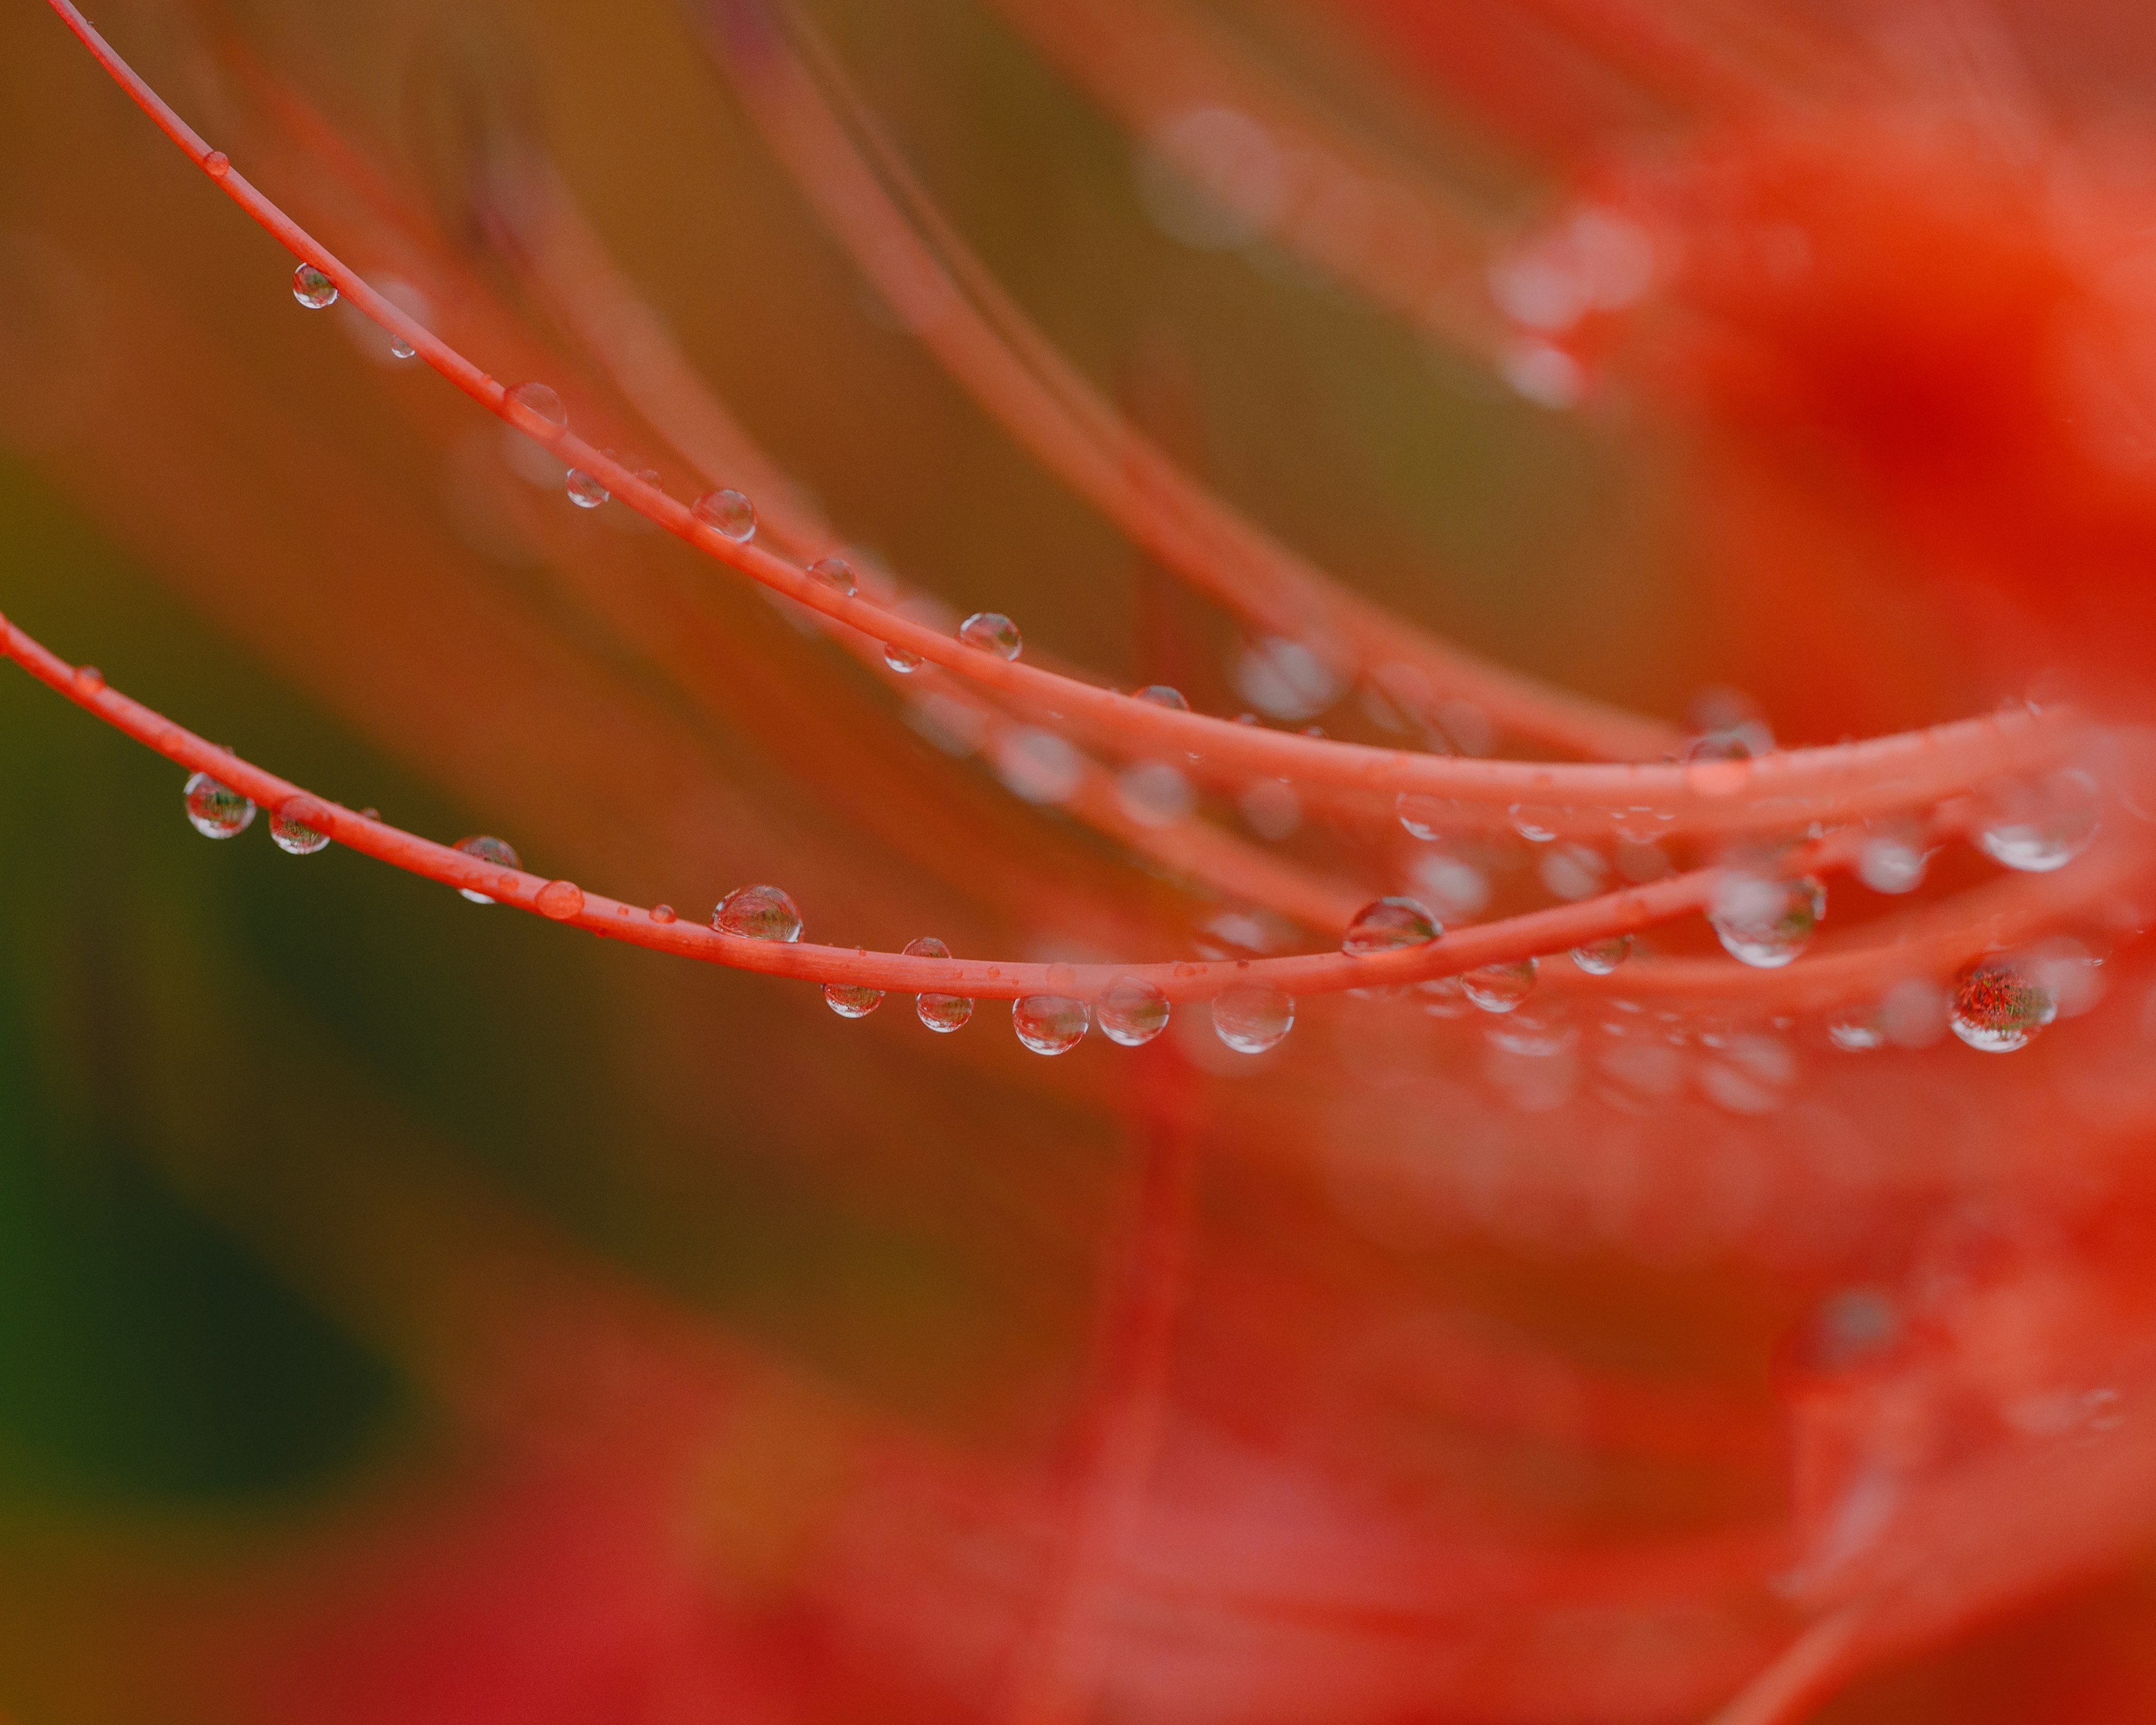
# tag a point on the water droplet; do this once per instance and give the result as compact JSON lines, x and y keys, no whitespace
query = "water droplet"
{"x":560,"y":900}
{"x":899,"y":660}
{"x":1997,"y":1008}
{"x":312,"y":289}
{"x":941,"y":1012}
{"x":1727,"y":745}
{"x":542,"y":403}
{"x":584,"y":491}
{"x":850,"y":1002}
{"x":1425,"y":817}
{"x":1857,"y":1030}
{"x":88,"y":679}
{"x":1254,"y":1018}
{"x":1763,"y":921}
{"x":1572,"y":872}
{"x":835,"y":573}
{"x":498,"y":851}
{"x":1892,"y":863}
{"x":1038,"y":765}
{"x":757,"y":913}
{"x":1500,"y":988}
{"x":727,"y":511}
{"x":991,"y":632}
{"x":1160,"y":695}
{"x":217,"y":164}
{"x":1535,"y":822}
{"x":2036,"y":825}
{"x":1049,"y":1023}
{"x":1388,"y":924}
{"x":662,"y":913}
{"x":215,"y":809}
{"x":1600,"y":957}
{"x":1284,"y":680}
{"x":292,"y":828}
{"x":1458,"y":889}
{"x":1132,"y":1011}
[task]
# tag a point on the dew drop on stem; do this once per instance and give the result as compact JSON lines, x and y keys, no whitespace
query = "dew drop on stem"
{"x":541,"y":401}
{"x":1763,"y":920}
{"x":487,"y":849}
{"x":1253,"y":1018}
{"x":1132,"y":1011}
{"x":991,"y":632}
{"x":941,"y":1012}
{"x":851,"y":1001}
{"x":312,"y":289}
{"x":758,"y":913}
{"x":728,"y":513}
{"x":1500,"y":988}
{"x":584,"y":490}
{"x":1389,"y":924}
{"x":1998,"y":1007}
{"x":1603,"y":957}
{"x":215,"y":809}
{"x":1049,"y":1023}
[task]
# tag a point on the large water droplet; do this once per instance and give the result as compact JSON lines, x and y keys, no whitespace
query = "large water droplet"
{"x":1857,"y":1030}
{"x":899,"y":660}
{"x":584,"y":490}
{"x":498,"y":851}
{"x":560,"y":900}
{"x":1049,"y":1023}
{"x":541,"y":401}
{"x":1132,"y":1011}
{"x":835,"y":573}
{"x":2036,"y":825}
{"x":1425,"y":817}
{"x":729,"y":512}
{"x":1500,"y":988}
{"x":1535,"y":822}
{"x":1253,"y":1018}
{"x":758,"y":913}
{"x":941,"y":1012}
{"x":217,"y":164}
{"x":312,"y":289}
{"x":1763,"y":921}
{"x":399,"y":348}
{"x":1892,"y":862}
{"x":1600,"y":957}
{"x":1390,"y":923}
{"x":215,"y":809}
{"x":1162,"y":695}
{"x":991,"y":632}
{"x":1998,"y":1006}
{"x":292,"y":834}
{"x":850,"y":1001}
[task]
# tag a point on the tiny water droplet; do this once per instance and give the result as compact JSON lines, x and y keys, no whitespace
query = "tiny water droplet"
{"x":1254,"y":1018}
{"x":217,"y":164}
{"x":312,"y":289}
{"x":2037,"y":825}
{"x":1857,"y":1030}
{"x":729,"y":512}
{"x":560,"y":900}
{"x":399,"y":348}
{"x":1132,"y":1011}
{"x":292,"y":827}
{"x":1162,"y":695}
{"x":1763,"y":921}
{"x":1049,"y":1023}
{"x":1997,"y":1008}
{"x":498,"y":851}
{"x":540,"y":400}
{"x":1600,"y":957}
{"x":991,"y":632}
{"x":1425,"y":817}
{"x":941,"y":1012}
{"x":88,"y":679}
{"x":1534,"y":822}
{"x":1388,"y":924}
{"x":850,"y":1002}
{"x":215,"y":809}
{"x":585,"y":491}
{"x":1500,"y":988}
{"x":899,"y":660}
{"x":835,"y":573}
{"x":1891,"y":863}
{"x":758,"y":913}
{"x":662,"y":913}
